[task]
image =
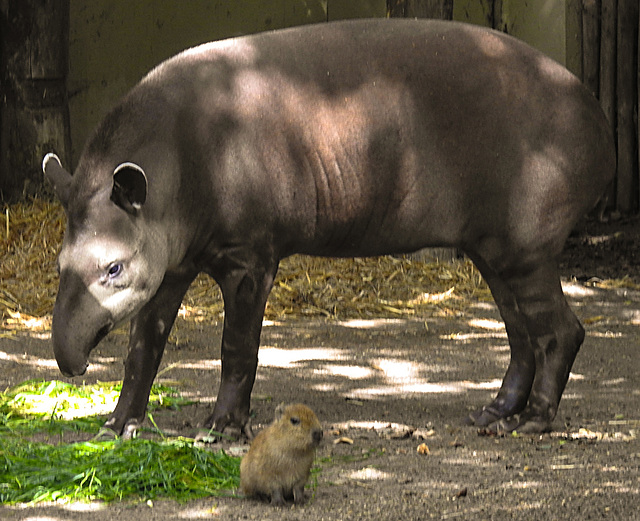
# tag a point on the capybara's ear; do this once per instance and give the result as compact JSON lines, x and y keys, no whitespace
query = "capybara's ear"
{"x":279,"y":411}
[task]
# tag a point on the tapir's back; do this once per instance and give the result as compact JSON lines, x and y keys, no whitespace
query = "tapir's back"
{"x":388,"y":126}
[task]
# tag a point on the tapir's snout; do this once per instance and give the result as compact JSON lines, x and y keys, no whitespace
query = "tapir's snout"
{"x":79,"y":324}
{"x":73,"y":372}
{"x":72,"y":346}
{"x":71,"y":360}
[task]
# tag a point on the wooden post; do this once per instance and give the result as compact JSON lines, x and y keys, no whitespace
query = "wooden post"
{"x":607,"y":83}
{"x":396,"y":8}
{"x":627,"y":97}
{"x":608,"y":52}
{"x":495,"y":16}
{"x":34,"y":117}
{"x":591,"y":45}
{"x":440,"y":9}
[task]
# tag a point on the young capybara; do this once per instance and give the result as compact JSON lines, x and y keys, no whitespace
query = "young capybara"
{"x":279,"y":460}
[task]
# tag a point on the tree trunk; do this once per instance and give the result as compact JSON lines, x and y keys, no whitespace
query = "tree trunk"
{"x":34,"y":116}
{"x":591,"y":45}
{"x":627,"y":67}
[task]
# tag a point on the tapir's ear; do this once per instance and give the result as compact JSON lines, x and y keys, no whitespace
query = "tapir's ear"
{"x":129,"y":187}
{"x":58,"y":176}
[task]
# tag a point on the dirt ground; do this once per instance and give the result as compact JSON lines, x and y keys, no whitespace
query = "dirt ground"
{"x":392,"y":385}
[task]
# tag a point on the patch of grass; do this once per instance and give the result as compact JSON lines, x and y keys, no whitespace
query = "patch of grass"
{"x":55,"y":406}
{"x":110,"y":470}
{"x":113,"y":470}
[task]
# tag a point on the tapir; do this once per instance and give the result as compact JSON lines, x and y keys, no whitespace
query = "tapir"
{"x":353,"y":138}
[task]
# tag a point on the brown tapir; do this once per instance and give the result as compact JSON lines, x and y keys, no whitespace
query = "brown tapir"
{"x":342,"y":139}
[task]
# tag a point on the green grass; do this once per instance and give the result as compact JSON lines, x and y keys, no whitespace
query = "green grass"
{"x":113,"y":470}
{"x":138,"y":469}
{"x":54,"y":406}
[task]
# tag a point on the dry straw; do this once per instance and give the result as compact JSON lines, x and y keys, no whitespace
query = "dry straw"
{"x":305,"y":286}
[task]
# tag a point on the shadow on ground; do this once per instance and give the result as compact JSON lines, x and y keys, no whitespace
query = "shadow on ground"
{"x":390,"y":386}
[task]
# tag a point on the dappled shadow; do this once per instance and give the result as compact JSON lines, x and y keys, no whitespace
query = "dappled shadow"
{"x":426,"y":361}
{"x":365,"y":378}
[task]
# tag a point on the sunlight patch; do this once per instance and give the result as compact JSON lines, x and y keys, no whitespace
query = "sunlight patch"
{"x":395,"y":370}
{"x":465,"y":337}
{"x":200,"y":364}
{"x":24,"y":321}
{"x":606,"y":334}
{"x":29,"y":360}
{"x":473,"y":336}
{"x":575,"y":290}
{"x":358,"y":323}
{"x":457,"y":387}
{"x":85,"y":507}
{"x":353,"y":372}
{"x":614,"y":381}
{"x":277,"y":357}
{"x":485,"y":323}
{"x":370,"y":474}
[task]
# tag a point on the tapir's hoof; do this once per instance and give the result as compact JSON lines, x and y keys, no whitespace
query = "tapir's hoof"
{"x":127,"y":432}
{"x":130,"y":429}
{"x":105,"y":434}
{"x":520,"y":423}
{"x":483,"y":417}
{"x":211,"y":436}
{"x":224,"y":431}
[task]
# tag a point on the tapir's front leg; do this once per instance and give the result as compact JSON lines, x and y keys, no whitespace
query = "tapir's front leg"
{"x":149,"y":332}
{"x":245,"y":290}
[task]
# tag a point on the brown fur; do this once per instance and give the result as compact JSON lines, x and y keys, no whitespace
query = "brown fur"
{"x":279,"y":460}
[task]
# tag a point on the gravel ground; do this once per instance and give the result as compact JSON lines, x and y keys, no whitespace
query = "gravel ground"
{"x":392,"y":387}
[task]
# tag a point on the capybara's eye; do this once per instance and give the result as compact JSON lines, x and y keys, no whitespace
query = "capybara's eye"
{"x":295,"y":421}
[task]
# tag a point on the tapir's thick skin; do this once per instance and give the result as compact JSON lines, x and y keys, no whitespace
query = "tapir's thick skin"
{"x":342,"y":139}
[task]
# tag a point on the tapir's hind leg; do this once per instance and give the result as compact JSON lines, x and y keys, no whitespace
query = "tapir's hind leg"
{"x":556,"y":336}
{"x":516,"y":385}
{"x":545,"y":337}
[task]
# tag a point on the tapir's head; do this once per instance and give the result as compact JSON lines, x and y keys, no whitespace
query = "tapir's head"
{"x":111,"y":263}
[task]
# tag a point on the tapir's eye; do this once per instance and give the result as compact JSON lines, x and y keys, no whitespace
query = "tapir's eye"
{"x":114,"y":270}
{"x":295,"y":421}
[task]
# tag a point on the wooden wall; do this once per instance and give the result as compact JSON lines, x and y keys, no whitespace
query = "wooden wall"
{"x":113,"y":43}
{"x":610,"y":70}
